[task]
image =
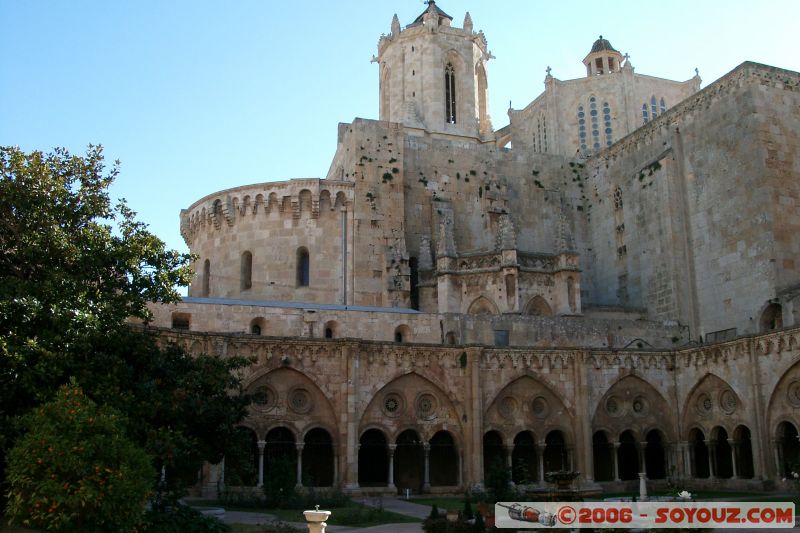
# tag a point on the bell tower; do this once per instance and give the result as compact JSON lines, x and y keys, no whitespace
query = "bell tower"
{"x":602,"y":59}
{"x":432,"y":75}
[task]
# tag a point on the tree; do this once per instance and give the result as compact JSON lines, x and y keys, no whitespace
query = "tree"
{"x":74,"y":469}
{"x":74,"y":268}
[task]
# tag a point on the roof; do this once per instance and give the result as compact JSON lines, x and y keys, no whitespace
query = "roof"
{"x":432,"y":3}
{"x":298,"y":305}
{"x":602,"y":44}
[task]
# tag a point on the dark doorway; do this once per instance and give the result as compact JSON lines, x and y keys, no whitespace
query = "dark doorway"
{"x":602,"y":451}
{"x":628,"y":456}
{"x":443,"y":460}
{"x":723,"y":460}
{"x":699,"y":454}
{"x":318,"y":459}
{"x":654,"y":456}
{"x":494,"y":455}
{"x":555,"y":452}
{"x":373,"y":459}
{"x":524,"y":463}
{"x":409,"y":459}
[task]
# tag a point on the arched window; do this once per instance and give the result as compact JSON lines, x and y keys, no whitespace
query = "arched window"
{"x":653,"y":108}
{"x":571,"y":294}
{"x":303,"y":268}
{"x":595,"y":127}
{"x":617,"y":198}
{"x":450,"y":94}
{"x":246,"y":271}
{"x":402,"y":334}
{"x":663,"y":105}
{"x":645,"y":117}
{"x":331,"y":329}
{"x":582,"y":127}
{"x":255,"y":329}
{"x":607,"y":123}
{"x":206,"y":278}
{"x":413,"y":266}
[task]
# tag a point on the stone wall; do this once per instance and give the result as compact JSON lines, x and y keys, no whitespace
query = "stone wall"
{"x":350,"y":386}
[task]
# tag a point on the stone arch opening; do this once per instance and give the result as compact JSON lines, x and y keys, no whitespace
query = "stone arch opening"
{"x":206,"y":285}
{"x":628,"y":456}
{"x":556,"y":455}
{"x":655,"y":457}
{"x":246,"y":271}
{"x":409,"y":457}
{"x":571,"y":297}
{"x":524,"y":459}
{"x":258,"y":326}
{"x":241,"y":461}
{"x":305,"y":199}
{"x":303,"y":267}
{"x":722,"y":454}
{"x":743,"y":452}
{"x":373,"y":459}
{"x":402,"y":333}
{"x":482,"y":306}
{"x":494,"y":453}
{"x":443,"y":460}
{"x":450,"y":337}
{"x":771,"y":318}
{"x":602,"y":452}
{"x":538,"y":306}
{"x":331,"y":329}
{"x":699,"y":454}
{"x":788,"y":448}
{"x":413,"y":268}
{"x":318,"y":459}
{"x":280,"y":454}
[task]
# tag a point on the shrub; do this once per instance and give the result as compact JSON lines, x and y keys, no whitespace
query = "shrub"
{"x":279,"y":485}
{"x":181,"y":518}
{"x":74,"y":470}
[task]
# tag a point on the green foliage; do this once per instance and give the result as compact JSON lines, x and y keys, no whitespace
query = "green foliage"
{"x":467,"y":512}
{"x":442,"y":525}
{"x":279,"y":486}
{"x":498,"y":480}
{"x":74,"y":470}
{"x":181,"y":518}
{"x":73,"y":269}
{"x":434,"y":512}
{"x":478,"y":526}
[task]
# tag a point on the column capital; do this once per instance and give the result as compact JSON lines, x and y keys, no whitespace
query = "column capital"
{"x":392,"y":448}
{"x":426,"y":446}
{"x":616,"y":444}
{"x":261,"y":444}
{"x":299,"y":446}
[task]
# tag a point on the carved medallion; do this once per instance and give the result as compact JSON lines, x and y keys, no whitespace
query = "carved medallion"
{"x":793,"y":393}
{"x":727,"y":401}
{"x":426,"y":406}
{"x":300,"y":401}
{"x":393,"y":404}
{"x":540,"y":407}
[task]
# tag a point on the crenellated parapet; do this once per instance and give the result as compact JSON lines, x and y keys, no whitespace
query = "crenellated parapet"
{"x":292,"y":199}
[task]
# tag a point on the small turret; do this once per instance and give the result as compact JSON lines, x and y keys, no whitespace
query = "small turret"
{"x":602,"y":59}
{"x":395,"y":26}
{"x":467,"y":23}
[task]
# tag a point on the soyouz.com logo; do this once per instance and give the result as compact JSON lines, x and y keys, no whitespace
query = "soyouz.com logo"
{"x":654,"y":515}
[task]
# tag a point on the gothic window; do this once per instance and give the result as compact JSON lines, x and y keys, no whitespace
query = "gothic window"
{"x":582,"y":128}
{"x":206,"y":278}
{"x":653,"y":108}
{"x":663,"y":105}
{"x":611,"y":64}
{"x":413,"y":265}
{"x":595,"y":127}
{"x":450,"y":94}
{"x":303,"y":268}
{"x":255,"y":329}
{"x":617,"y":198}
{"x":645,"y":117}
{"x":544,"y":132}
{"x":246,"y":271}
{"x":607,"y":123}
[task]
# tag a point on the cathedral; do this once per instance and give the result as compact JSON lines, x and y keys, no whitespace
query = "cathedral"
{"x":608,"y":285}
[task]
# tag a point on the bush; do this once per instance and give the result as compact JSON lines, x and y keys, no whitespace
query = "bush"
{"x":181,"y":518}
{"x":442,"y":525}
{"x":279,"y":485}
{"x":73,"y":470}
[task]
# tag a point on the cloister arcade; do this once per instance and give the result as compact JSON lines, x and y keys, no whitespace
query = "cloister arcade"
{"x":411,"y":431}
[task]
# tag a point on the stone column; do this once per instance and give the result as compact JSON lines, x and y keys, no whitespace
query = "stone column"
{"x":510,"y":462}
{"x":570,"y":459}
{"x":615,"y":460}
{"x":540,"y":458}
{"x":684,"y":469}
{"x":734,"y":456}
{"x":643,"y":457}
{"x":392,"y":448}
{"x":354,"y":481}
{"x":711,"y":446}
{"x":299,"y":447}
{"x":426,"y":480}
{"x":778,"y":449}
{"x":261,"y":444}
{"x":460,"y":468}
{"x":335,"y":465}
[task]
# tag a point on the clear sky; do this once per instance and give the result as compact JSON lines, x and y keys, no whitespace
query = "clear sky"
{"x":196,"y":96}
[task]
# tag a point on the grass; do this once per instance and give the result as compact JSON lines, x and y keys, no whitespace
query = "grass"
{"x":452,"y":503}
{"x":353,"y":514}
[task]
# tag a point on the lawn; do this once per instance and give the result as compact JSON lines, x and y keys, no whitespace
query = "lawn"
{"x":448,"y":503}
{"x":353,"y":514}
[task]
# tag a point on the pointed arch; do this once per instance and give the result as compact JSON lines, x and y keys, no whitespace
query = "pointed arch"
{"x":538,"y":306}
{"x":632,"y":403}
{"x":710,"y":398}
{"x":385,"y":89}
{"x":482,"y":306}
{"x":484,"y":123}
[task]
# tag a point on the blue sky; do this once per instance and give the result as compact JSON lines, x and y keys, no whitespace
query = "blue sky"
{"x":196,"y":96}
